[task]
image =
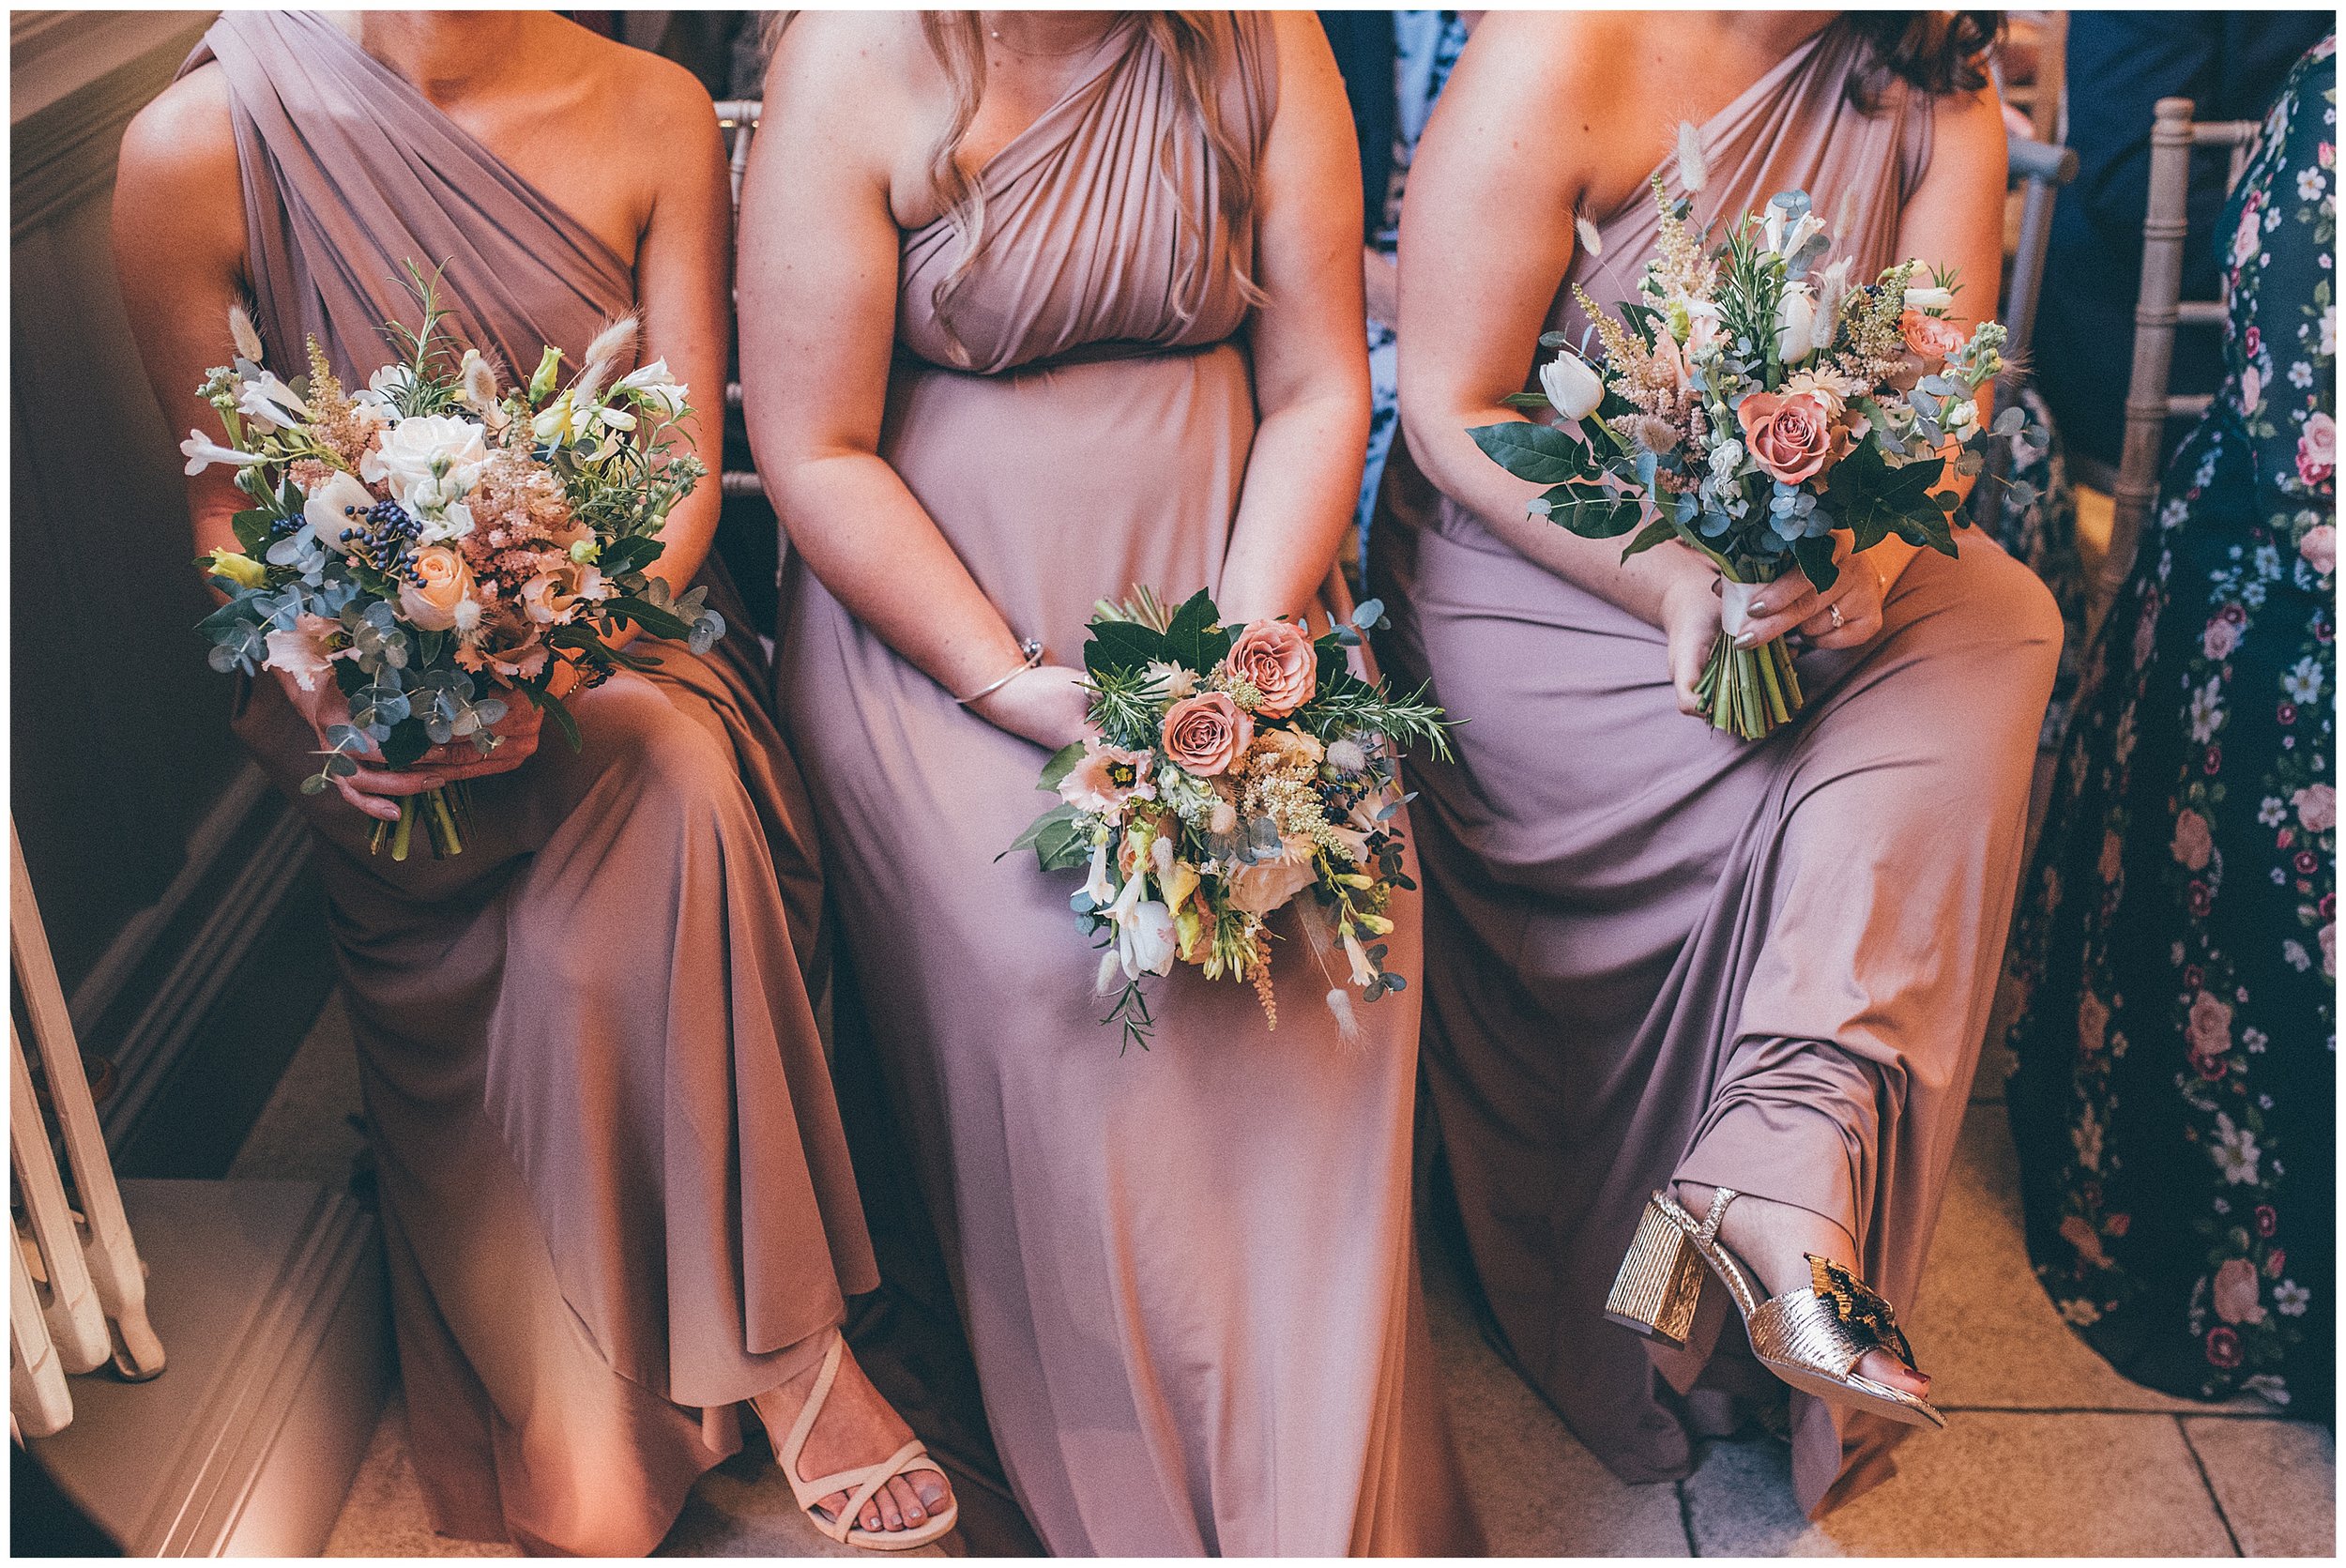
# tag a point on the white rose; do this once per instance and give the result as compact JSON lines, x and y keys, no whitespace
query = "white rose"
{"x":1572,"y":385}
{"x":428,"y":461}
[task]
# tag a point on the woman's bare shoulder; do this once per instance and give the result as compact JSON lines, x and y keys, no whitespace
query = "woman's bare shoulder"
{"x":186,"y":134}
{"x":868,"y":62}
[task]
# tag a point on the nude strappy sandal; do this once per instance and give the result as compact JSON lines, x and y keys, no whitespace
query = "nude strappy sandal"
{"x":859,"y":1485}
{"x":1812,"y":1339}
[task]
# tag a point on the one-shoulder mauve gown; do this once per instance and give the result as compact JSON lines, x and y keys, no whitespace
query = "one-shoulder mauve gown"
{"x":1655,"y":952}
{"x":1187,"y":1273}
{"x":615,"y":1191}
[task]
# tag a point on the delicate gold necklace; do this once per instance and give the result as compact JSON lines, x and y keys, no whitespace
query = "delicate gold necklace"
{"x":1093,"y":42}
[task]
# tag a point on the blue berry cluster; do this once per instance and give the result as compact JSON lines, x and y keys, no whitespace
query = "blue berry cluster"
{"x":387,"y":540}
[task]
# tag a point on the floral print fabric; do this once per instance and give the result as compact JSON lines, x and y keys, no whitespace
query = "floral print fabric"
{"x":2173,"y":1095}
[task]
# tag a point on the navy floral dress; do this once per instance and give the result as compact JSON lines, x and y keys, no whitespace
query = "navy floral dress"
{"x":2173,"y":1098}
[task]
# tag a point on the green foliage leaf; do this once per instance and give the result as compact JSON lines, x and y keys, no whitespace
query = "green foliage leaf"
{"x":1060,"y":839}
{"x":1194,"y":636}
{"x":1660,"y":531}
{"x":1591,"y":510}
{"x":1061,"y":764}
{"x":1815,"y":556}
{"x":656,"y":621}
{"x":1540,"y":453}
{"x":1122,"y":645}
{"x":252,"y":525}
{"x":559,"y":711}
{"x":1873,"y":500}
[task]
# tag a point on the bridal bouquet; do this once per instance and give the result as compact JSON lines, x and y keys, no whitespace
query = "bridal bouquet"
{"x":1237,"y":770}
{"x":435,"y":540}
{"x":1751,"y":402}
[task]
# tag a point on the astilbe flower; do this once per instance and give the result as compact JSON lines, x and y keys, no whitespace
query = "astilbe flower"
{"x":1874,"y":348}
{"x":334,"y":417}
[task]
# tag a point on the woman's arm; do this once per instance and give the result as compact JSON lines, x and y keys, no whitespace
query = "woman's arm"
{"x":179,"y":241}
{"x":818,"y":274}
{"x":683,"y":276}
{"x":1310,"y":361}
{"x":1486,"y":238}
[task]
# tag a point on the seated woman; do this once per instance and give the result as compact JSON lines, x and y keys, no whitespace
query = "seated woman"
{"x":2174,"y":1097}
{"x":614,"y":1195}
{"x":1662,"y":959}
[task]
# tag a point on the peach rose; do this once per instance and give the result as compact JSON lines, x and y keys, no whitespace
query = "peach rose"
{"x":2236,"y":1292}
{"x":2208,"y":1028}
{"x":1932,"y":337}
{"x":1792,"y":438}
{"x":438,"y":591}
{"x":2317,"y":807}
{"x":2320,"y":548}
{"x":2193,"y":844}
{"x":1207,"y":733}
{"x":1276,"y":658}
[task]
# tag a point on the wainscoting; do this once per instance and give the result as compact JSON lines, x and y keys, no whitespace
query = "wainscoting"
{"x":189,"y":935}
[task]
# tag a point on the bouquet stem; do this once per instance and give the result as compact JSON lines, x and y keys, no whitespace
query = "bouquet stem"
{"x":442,"y":813}
{"x":1749,"y":690}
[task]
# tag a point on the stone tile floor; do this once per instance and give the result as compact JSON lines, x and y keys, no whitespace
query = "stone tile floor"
{"x":2047,"y":1451}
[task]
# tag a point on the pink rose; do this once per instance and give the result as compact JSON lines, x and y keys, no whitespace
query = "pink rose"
{"x":2092,"y":1025}
{"x":1206,"y":733}
{"x":2219,"y":639}
{"x":2209,"y":1029}
{"x":1792,"y":438}
{"x":2327,"y":936}
{"x":2193,"y":844}
{"x":2251,"y":388}
{"x":2317,"y":449}
{"x":1275,"y":658}
{"x":2317,"y":807}
{"x":1105,"y":779}
{"x":2236,"y":1292}
{"x":1268,"y":885}
{"x":2320,"y":548}
{"x":1932,"y":337}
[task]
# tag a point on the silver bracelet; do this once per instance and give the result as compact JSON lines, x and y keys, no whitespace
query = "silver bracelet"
{"x":1032,"y":648}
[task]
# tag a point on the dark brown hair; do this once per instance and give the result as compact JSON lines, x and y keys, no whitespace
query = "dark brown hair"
{"x":1932,"y":51}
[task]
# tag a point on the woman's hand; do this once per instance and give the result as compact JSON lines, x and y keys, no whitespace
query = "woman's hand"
{"x":374,"y":789}
{"x":1792,"y":603}
{"x":1046,"y":705}
{"x":1690,"y":621}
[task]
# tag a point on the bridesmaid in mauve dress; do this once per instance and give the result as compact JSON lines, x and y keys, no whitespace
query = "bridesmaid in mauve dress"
{"x":1656,"y":952}
{"x":614,"y":1193}
{"x":1187,"y":1274}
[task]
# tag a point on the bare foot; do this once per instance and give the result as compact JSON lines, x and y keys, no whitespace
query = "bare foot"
{"x":856,"y":1427}
{"x":1775,"y":1239}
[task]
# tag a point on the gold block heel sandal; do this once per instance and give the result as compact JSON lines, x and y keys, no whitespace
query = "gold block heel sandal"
{"x":1813,"y":1339}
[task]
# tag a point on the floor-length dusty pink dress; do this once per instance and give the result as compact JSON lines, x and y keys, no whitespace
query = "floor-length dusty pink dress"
{"x":1655,"y":951}
{"x":615,"y":1191}
{"x":1186,"y":1273}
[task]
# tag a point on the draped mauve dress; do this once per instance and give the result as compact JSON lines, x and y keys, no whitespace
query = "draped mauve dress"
{"x":1655,"y":952}
{"x":1187,"y":1273}
{"x":614,"y":1193}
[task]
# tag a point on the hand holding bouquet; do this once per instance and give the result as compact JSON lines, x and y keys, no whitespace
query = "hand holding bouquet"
{"x":434,"y":540}
{"x":1753,"y":402}
{"x":1236,"y":770}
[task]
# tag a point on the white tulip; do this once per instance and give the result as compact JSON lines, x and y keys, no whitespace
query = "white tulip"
{"x":336,"y":508}
{"x":1145,"y":941}
{"x":657,"y":385}
{"x":1929,"y":298}
{"x":1795,"y":323}
{"x":202,"y":452}
{"x":1572,"y":385}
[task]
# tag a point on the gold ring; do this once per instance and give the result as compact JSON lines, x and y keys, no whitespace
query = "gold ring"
{"x":1835,"y":611}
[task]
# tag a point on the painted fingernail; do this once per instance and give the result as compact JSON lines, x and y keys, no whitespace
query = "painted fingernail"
{"x":1744,"y":639}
